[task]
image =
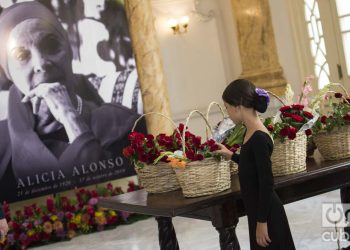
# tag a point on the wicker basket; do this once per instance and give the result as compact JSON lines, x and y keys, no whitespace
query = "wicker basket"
{"x":233,"y":165}
{"x":289,"y":157}
{"x":334,"y":145}
{"x":205,"y":177}
{"x":159,"y":178}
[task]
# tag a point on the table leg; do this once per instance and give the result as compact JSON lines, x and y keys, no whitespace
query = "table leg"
{"x":225,"y":219}
{"x":345,"y":198}
{"x":167,"y":235}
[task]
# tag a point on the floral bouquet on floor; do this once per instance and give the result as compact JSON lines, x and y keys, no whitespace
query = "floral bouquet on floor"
{"x":332,"y":130}
{"x":289,"y":130}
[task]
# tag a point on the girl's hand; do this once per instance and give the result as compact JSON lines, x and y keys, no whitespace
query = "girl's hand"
{"x":225,"y":152}
{"x":262,"y":236}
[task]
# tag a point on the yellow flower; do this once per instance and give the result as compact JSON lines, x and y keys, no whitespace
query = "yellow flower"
{"x":54,"y":217}
{"x":30,"y":232}
{"x":47,"y":227}
{"x":71,"y":234}
{"x":98,"y":214}
{"x":112,"y":213}
{"x":77,"y":219}
{"x":57,"y":225}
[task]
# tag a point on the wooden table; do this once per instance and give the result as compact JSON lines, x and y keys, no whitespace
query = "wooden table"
{"x":224,"y":209}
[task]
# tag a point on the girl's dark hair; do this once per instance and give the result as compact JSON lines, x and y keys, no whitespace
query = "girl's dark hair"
{"x":243,"y":92}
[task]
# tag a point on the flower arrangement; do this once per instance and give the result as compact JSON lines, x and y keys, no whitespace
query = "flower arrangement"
{"x":62,"y":218}
{"x":338,"y":115}
{"x":291,"y":119}
{"x":147,"y":149}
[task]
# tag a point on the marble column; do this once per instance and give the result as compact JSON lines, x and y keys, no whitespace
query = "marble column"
{"x":149,"y":64}
{"x":257,"y":45}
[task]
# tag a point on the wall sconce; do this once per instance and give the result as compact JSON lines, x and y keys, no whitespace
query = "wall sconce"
{"x":179,"y":26}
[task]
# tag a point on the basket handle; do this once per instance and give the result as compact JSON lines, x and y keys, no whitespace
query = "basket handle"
{"x":185,"y":129}
{"x":208,"y":112}
{"x":159,"y":114}
{"x":342,"y":87}
{"x":277,"y":97}
{"x":333,"y":92}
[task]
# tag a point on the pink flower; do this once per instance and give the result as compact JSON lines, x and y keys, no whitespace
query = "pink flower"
{"x":93,"y":201}
{"x":307,"y":89}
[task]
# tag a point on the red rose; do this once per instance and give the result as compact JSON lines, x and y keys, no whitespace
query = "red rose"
{"x":90,"y":210}
{"x":308,"y":132}
{"x":128,"y":152}
{"x":149,"y":137}
{"x":144,"y":158}
{"x":270,"y":127}
{"x":338,"y":95}
{"x":346,"y":117}
{"x":69,"y":215}
{"x":50,"y":204}
{"x":197,"y":141}
{"x":150,"y":144}
{"x":110,"y":186}
{"x":199,"y":157}
{"x":287,"y":114}
{"x":297,"y":118}
{"x":292,"y":133}
{"x":214,"y":148}
{"x":308,"y":115}
{"x":236,"y":146}
{"x":297,"y":106}
{"x":323,"y":119}
{"x":190,"y":155}
{"x":182,"y":127}
{"x":284,"y":108}
{"x":284,"y":131}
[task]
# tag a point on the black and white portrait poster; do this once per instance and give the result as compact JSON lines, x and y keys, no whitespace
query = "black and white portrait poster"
{"x":69,"y":95}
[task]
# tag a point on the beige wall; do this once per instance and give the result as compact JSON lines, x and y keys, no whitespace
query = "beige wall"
{"x":199,"y":64}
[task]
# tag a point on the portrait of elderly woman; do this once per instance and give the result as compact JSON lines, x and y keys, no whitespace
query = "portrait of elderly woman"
{"x":57,"y":124}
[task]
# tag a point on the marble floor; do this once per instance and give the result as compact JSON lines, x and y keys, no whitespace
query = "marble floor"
{"x":304,"y":218}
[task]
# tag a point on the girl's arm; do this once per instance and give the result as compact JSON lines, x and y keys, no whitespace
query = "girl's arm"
{"x":262,"y":155}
